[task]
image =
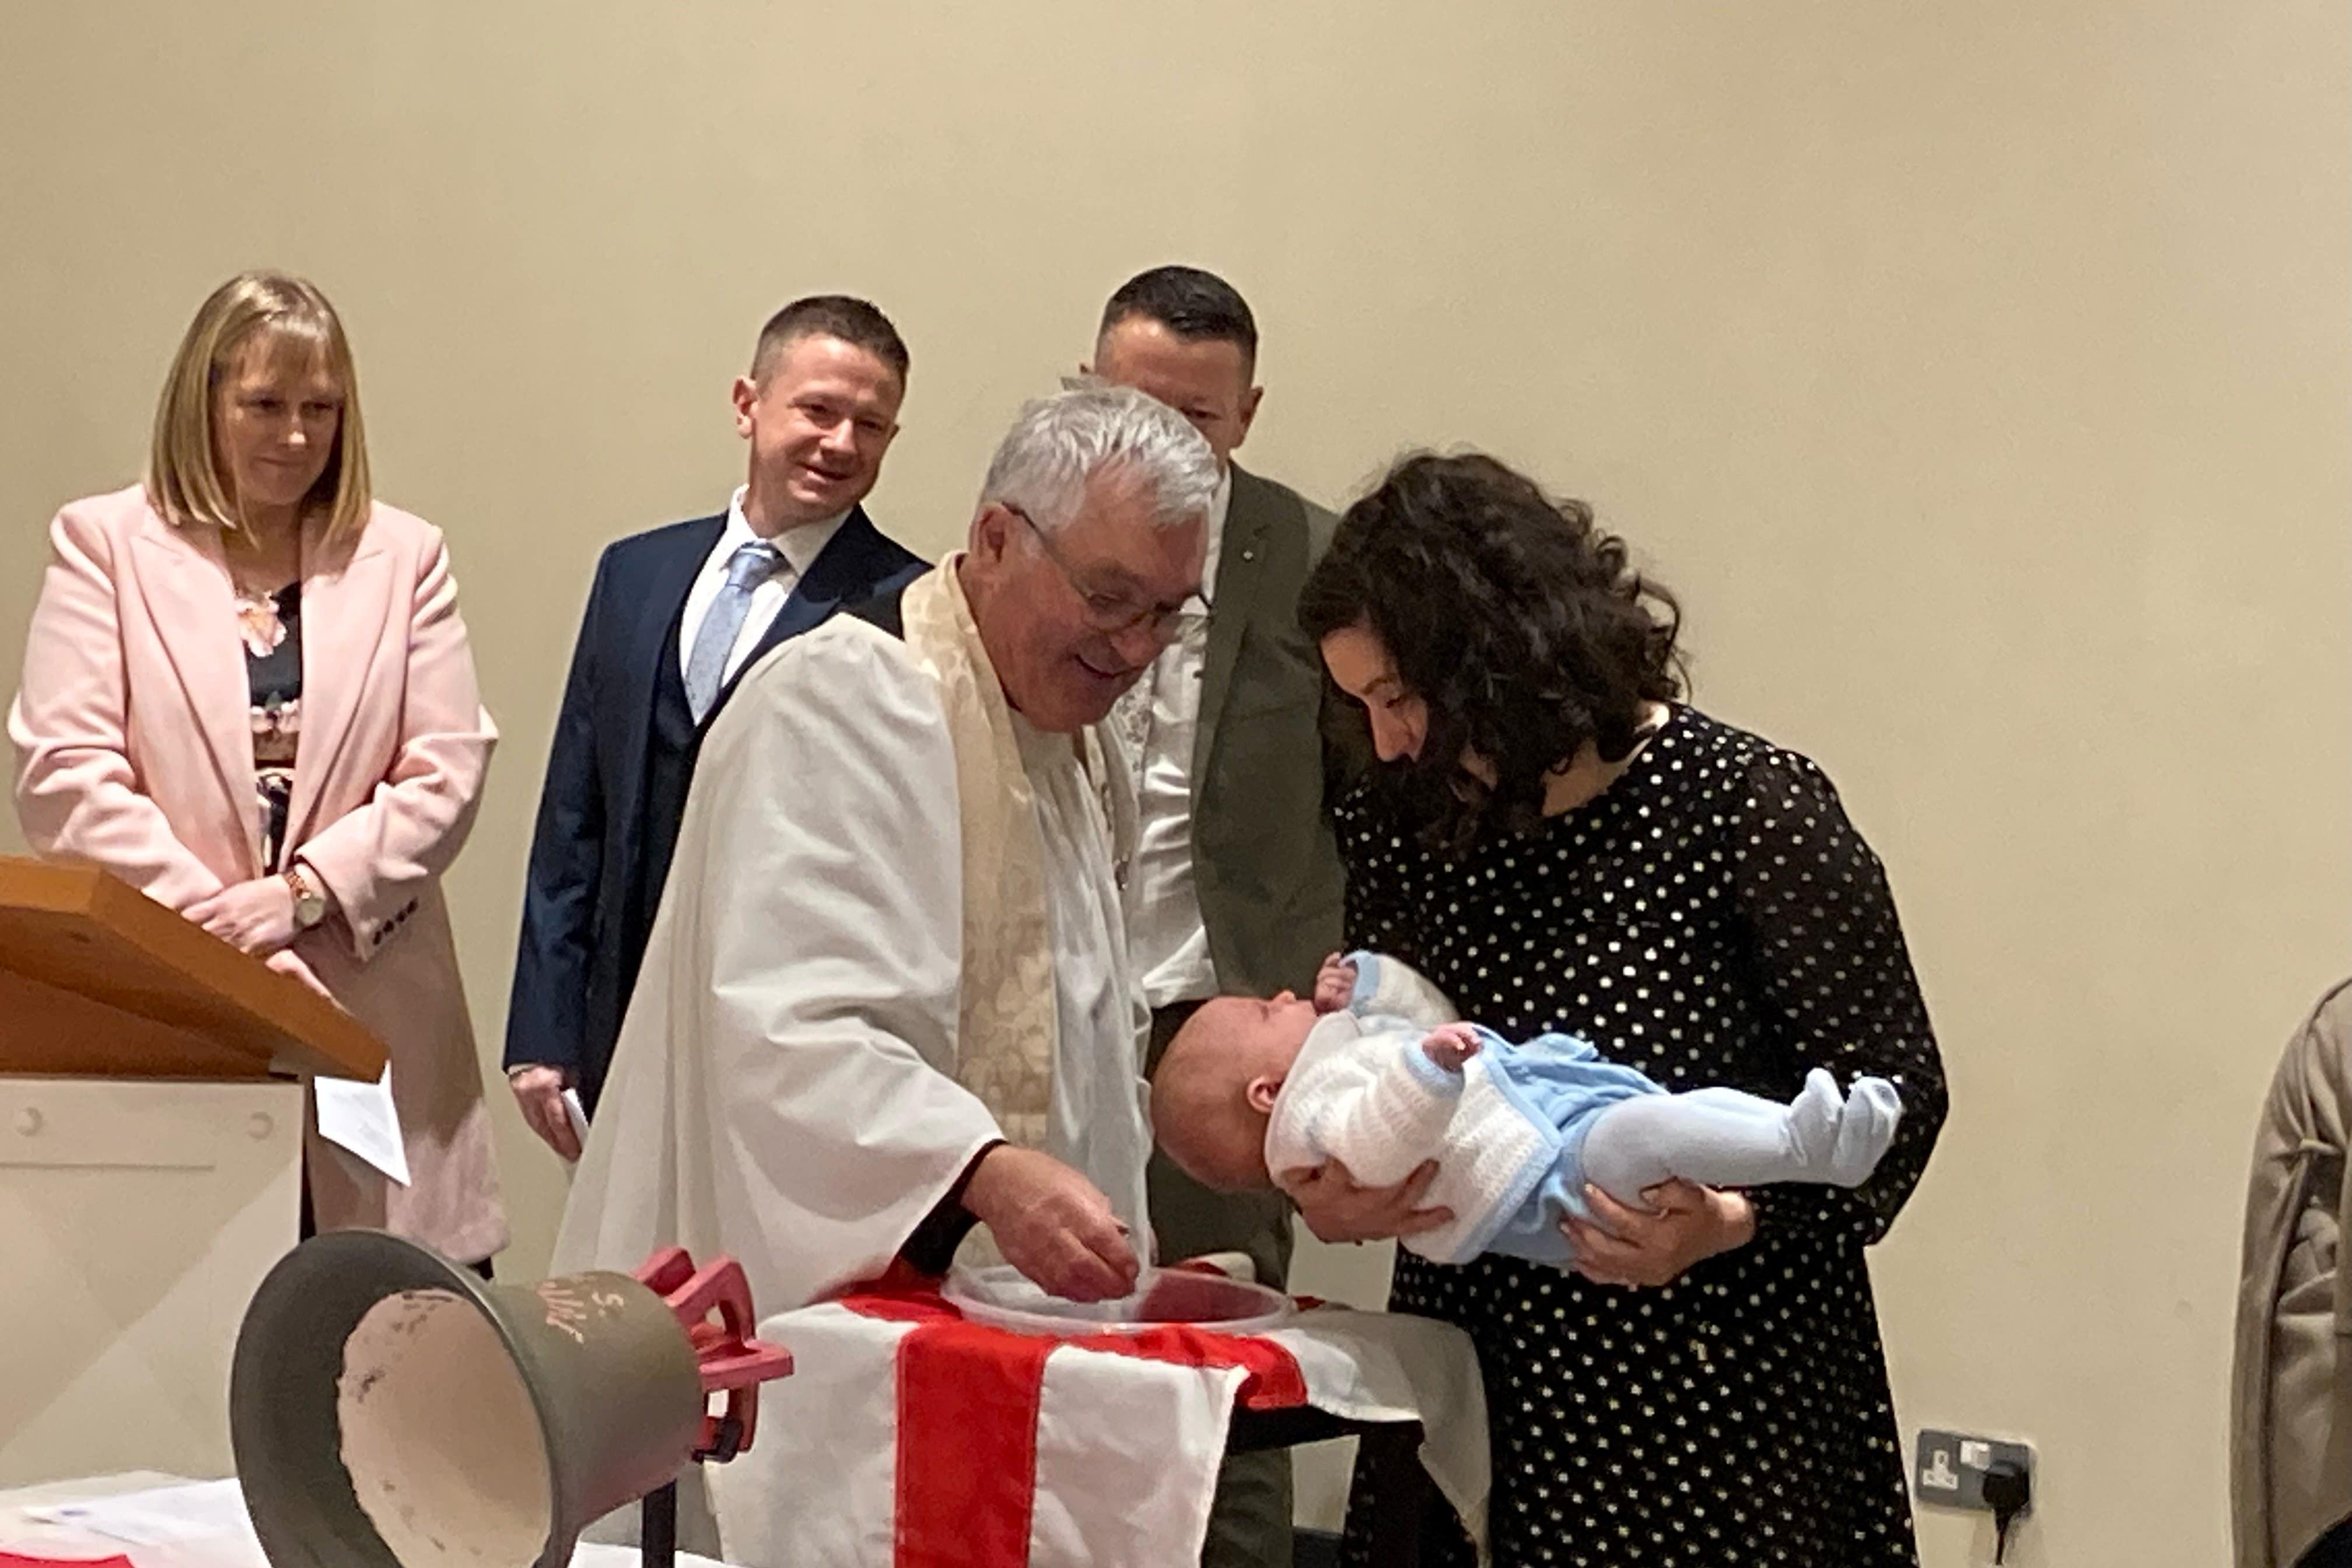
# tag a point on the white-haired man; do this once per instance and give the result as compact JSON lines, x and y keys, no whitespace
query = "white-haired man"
{"x":887,"y":995}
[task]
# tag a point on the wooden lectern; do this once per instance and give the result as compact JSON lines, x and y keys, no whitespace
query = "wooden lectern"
{"x":151,"y":1148}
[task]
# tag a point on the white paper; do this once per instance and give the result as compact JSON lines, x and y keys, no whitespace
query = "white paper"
{"x":163,"y":1517}
{"x":214,"y":1512}
{"x":578,"y":1115}
{"x":358,"y":1117}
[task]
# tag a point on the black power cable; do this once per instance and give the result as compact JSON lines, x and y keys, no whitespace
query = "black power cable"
{"x":2007,"y":1491}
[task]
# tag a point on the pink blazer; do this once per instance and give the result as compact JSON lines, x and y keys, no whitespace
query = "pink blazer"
{"x":134,"y":751}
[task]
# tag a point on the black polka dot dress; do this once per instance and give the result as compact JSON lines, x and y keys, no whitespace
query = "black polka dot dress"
{"x":1712,"y":918}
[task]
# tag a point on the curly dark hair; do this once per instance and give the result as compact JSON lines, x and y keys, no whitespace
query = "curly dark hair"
{"x":1520,"y":623}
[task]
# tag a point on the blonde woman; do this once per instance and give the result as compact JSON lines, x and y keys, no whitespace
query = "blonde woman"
{"x":247,"y":692}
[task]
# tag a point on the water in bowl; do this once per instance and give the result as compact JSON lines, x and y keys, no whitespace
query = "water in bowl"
{"x":1162,"y":1297}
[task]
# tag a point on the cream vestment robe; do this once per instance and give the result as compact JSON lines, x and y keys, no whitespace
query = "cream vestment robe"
{"x":891,"y":935}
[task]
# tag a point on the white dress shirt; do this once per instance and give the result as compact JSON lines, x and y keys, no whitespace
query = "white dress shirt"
{"x":1099,"y":1119}
{"x":1160,"y":717}
{"x":800,"y":547}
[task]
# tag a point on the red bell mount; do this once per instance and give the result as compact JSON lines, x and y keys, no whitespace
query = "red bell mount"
{"x":731,"y":1360}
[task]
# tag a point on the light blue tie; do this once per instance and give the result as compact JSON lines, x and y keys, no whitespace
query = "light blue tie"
{"x":706,"y":667}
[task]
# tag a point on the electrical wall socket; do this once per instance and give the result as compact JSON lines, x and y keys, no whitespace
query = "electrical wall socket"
{"x":1950,"y":1468}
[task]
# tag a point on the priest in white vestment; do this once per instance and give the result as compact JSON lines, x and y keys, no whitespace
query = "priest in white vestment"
{"x":887,"y":995}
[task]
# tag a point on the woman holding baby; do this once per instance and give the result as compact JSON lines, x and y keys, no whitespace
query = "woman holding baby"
{"x":1560,"y":843}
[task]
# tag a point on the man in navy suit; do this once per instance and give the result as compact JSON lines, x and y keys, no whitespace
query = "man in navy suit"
{"x":674,"y":619}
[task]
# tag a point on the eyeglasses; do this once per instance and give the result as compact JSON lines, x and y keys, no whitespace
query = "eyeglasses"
{"x":1112,"y":614}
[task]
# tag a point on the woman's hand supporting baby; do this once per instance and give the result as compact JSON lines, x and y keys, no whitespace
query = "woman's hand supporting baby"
{"x":1336,"y":1209}
{"x":1622,"y":1246}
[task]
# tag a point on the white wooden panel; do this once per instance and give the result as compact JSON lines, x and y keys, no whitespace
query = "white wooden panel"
{"x":136,"y":1220}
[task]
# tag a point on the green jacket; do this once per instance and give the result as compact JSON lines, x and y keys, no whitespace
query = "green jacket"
{"x":1263,"y":862}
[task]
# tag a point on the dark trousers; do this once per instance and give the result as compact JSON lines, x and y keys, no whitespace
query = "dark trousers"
{"x":1249,"y":1524}
{"x":2332,"y":1550}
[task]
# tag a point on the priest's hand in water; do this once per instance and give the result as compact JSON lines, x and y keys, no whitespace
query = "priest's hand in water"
{"x":1052,"y":1224}
{"x":1336,"y":1209}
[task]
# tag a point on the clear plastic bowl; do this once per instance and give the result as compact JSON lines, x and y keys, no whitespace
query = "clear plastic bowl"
{"x":1001,"y":1297}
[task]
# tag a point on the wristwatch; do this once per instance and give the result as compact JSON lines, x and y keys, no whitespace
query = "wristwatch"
{"x":310,"y":903}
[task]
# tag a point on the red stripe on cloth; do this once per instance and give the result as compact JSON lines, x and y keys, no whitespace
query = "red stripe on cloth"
{"x":900,"y":1279}
{"x":967,"y":1441}
{"x":901,"y":1308}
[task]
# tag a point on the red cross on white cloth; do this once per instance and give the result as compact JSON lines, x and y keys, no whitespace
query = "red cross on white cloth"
{"x":909,"y":1437}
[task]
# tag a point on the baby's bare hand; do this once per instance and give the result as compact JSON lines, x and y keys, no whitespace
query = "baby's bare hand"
{"x":1450,"y":1045}
{"x":1335,"y":982}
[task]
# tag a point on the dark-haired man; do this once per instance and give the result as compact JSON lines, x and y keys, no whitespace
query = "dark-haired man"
{"x":675,"y":618}
{"x":1236,"y":887}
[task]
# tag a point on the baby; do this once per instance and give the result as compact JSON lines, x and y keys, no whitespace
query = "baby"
{"x":1377,"y":1072}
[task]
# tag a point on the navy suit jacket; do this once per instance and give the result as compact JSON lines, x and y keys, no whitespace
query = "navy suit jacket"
{"x":578,"y":952}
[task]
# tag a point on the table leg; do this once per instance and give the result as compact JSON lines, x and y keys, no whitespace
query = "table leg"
{"x":1402,"y":1494}
{"x":658,"y":1534}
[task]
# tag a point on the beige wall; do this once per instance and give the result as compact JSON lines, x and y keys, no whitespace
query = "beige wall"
{"x":1978,"y":374}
